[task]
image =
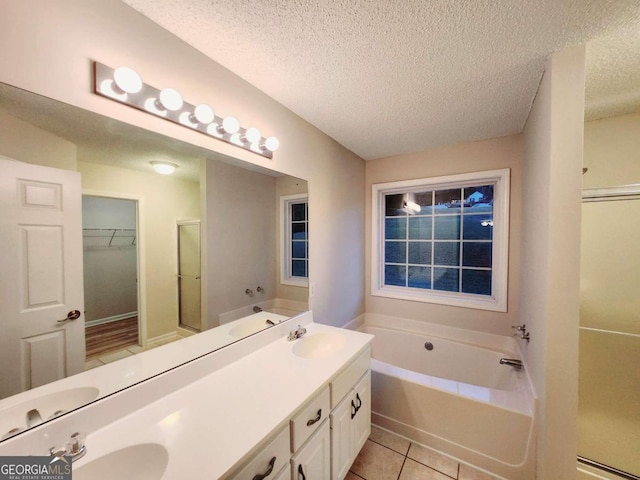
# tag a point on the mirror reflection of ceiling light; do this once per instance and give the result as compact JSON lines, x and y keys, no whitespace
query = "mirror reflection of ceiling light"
{"x":124,"y":85}
{"x":164,"y":168}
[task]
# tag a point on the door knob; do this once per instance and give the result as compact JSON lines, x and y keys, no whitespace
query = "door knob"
{"x":72,"y":315}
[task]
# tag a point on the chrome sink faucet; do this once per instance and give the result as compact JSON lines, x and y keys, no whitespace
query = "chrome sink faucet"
{"x":74,"y":447}
{"x":297,"y":333}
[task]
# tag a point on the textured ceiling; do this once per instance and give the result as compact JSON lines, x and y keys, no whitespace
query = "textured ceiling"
{"x":384,"y":77}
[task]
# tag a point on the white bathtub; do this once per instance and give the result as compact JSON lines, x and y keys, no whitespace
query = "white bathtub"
{"x":455,"y":398}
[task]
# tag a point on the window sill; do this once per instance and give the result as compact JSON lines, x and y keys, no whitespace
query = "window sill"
{"x":477,"y":302}
{"x":295,"y":283}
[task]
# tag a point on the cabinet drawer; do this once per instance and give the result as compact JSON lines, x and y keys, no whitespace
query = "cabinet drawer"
{"x":341,"y":385}
{"x":309,"y":419}
{"x":269,"y":460}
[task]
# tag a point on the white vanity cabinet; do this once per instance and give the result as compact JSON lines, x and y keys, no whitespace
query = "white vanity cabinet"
{"x":325,"y":435}
{"x":351,"y":418}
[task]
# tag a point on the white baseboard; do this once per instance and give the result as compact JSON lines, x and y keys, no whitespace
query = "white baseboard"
{"x":162,"y":338}
{"x":114,"y":318}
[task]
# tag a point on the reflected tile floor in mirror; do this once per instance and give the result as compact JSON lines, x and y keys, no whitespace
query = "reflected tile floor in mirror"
{"x":386,"y":456}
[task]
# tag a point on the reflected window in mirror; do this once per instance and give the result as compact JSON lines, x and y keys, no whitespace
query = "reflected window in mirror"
{"x":294,"y":213}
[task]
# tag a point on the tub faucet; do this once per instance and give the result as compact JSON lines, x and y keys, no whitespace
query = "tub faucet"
{"x":512,"y":362}
{"x":33,"y":418}
{"x":297,"y":333}
{"x":257,"y":309}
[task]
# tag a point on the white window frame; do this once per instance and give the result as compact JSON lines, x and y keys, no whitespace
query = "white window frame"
{"x":285,"y":240}
{"x":497,"y":301}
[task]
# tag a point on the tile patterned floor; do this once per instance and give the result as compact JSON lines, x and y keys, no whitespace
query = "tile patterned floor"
{"x":386,"y":456}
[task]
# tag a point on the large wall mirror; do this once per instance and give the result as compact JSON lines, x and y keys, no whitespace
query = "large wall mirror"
{"x":218,"y":245}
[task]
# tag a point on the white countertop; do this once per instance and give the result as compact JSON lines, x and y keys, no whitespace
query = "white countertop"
{"x":212,"y":424}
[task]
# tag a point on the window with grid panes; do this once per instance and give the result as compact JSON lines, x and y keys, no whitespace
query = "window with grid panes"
{"x":295,"y":244}
{"x":443,"y":240}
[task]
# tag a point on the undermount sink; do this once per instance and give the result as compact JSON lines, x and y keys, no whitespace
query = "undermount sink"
{"x":319,"y":345}
{"x":145,"y":461}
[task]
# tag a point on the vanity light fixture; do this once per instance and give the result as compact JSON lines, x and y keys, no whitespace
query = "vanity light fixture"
{"x":124,"y":85}
{"x":164,"y":168}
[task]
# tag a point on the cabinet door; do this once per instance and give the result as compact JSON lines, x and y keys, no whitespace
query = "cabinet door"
{"x":362,"y":421}
{"x":313,"y":461}
{"x":341,"y":438}
{"x":285,"y":474}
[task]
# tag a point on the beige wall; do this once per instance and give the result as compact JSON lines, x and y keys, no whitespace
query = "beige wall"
{"x":49,"y":49}
{"x":611,"y":147}
{"x":504,"y":152}
{"x":549,"y":300}
{"x":162,"y":201}
{"x":22,"y":141}
{"x":241,"y":218}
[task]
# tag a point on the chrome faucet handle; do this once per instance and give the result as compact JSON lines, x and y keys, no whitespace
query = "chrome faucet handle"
{"x":297,"y":333}
{"x":519,"y":328}
{"x":74,"y":447}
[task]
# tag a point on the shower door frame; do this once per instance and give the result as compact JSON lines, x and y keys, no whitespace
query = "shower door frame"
{"x":180,"y":223}
{"x":610,"y":194}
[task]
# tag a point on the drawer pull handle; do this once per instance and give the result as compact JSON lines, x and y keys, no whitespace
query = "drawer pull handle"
{"x":314,"y":420}
{"x":301,"y":472}
{"x":359,"y":402}
{"x":268,"y":472}
{"x":354,"y":410}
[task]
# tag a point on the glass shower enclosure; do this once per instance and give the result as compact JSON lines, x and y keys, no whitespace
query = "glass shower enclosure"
{"x":609,"y":378}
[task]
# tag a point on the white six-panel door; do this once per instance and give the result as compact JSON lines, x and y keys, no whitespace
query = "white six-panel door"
{"x":40,"y":275}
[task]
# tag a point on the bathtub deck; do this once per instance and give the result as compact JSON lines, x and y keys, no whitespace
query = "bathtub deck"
{"x":386,"y":456}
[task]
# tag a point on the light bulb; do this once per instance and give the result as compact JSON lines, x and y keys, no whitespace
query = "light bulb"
{"x":203,"y":113}
{"x":237,"y":139}
{"x":164,"y":168}
{"x":230,"y":125}
{"x":252,"y":135}
{"x":108,"y":87}
{"x":170,"y":99}
{"x":127,"y":80}
{"x":272,"y":144}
